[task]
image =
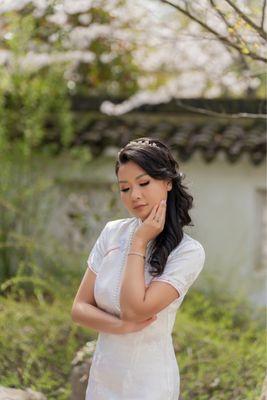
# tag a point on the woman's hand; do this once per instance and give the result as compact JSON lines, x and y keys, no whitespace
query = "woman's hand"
{"x":153,"y":225}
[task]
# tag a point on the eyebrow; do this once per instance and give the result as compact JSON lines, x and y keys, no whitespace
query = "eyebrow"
{"x":137,"y":177}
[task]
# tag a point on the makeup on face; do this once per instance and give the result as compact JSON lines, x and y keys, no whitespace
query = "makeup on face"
{"x":139,"y":191}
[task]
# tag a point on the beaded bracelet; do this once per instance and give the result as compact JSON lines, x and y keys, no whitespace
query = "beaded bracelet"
{"x":138,"y":254}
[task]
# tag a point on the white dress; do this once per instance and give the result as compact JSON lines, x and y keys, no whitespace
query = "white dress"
{"x":139,"y":365}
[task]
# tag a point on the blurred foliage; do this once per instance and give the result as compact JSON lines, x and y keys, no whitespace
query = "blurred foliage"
{"x":22,"y":219}
{"x":115,"y":77}
{"x":219,"y":358}
{"x":34,"y":104}
{"x":28,"y":196}
{"x":38,"y":342}
{"x":220,"y":348}
{"x":35,"y":109}
{"x":100,"y":66}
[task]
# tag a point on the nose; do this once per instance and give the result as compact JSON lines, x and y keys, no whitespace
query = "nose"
{"x":135,"y":195}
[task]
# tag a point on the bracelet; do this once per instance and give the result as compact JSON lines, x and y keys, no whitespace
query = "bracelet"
{"x":138,"y":254}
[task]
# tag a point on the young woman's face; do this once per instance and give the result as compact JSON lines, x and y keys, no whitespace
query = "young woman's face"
{"x":137,"y":188}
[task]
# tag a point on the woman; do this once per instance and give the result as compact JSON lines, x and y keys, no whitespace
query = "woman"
{"x":139,"y":271}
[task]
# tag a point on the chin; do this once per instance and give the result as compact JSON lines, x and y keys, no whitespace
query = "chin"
{"x":144,"y":215}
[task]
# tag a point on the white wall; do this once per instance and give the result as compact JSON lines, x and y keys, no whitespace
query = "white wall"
{"x":226,"y":215}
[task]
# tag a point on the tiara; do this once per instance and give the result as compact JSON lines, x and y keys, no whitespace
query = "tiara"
{"x":145,"y":142}
{"x":141,"y":142}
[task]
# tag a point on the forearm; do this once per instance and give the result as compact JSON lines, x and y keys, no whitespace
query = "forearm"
{"x":133,"y":282}
{"x":92,"y":317}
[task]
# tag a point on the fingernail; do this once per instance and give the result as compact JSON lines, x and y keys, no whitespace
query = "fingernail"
{"x":163,"y":201}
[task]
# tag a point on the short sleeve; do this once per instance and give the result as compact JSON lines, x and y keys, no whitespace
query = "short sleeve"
{"x":97,"y":253}
{"x":183,"y":266}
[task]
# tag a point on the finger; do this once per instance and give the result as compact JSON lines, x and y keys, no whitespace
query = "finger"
{"x":162,"y":211}
{"x":158,"y":210}
{"x":159,"y":216}
{"x":153,"y":212}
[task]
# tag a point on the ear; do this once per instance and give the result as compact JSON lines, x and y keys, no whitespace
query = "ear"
{"x":169,"y":186}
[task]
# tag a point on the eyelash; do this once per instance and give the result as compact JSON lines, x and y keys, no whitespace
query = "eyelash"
{"x":141,"y":184}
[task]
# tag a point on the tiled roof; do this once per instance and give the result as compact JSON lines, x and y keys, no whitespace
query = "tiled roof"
{"x":185,"y":132}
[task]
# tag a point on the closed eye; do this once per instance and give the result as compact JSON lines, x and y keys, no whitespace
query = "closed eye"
{"x":141,"y":184}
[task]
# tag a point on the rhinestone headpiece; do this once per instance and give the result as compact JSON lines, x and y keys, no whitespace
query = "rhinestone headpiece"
{"x":146,"y":142}
{"x":141,"y":142}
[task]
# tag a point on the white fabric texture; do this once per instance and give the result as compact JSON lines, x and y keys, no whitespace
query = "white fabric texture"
{"x":139,"y":365}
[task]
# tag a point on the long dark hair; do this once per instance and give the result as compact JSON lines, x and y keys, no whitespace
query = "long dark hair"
{"x":159,"y":163}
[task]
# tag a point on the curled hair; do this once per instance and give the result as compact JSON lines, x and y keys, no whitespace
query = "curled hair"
{"x":155,"y":158}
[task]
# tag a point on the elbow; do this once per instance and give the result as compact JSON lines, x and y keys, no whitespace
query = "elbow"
{"x":130,"y":315}
{"x":74,"y":313}
{"x":126,"y":316}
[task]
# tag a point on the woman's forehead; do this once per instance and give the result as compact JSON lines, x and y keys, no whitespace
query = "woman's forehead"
{"x":130,"y":168}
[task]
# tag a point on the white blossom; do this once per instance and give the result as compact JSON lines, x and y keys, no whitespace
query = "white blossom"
{"x":17,"y":5}
{"x":10,"y":5}
{"x":34,"y":61}
{"x":58,"y":18}
{"x":85,"y":19}
{"x":189,"y":61}
{"x":107,"y":57}
{"x":81,"y":37}
{"x":4,"y":57}
{"x":77,"y":6}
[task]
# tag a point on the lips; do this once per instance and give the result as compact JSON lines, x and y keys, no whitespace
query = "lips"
{"x":140,"y":205}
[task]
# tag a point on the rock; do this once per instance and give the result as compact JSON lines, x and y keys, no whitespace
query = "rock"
{"x":80,"y":372}
{"x":18,"y":394}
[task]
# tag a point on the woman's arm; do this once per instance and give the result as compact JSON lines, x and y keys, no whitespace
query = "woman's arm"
{"x":86,"y":313}
{"x":133,"y":288}
{"x":93,"y":317}
{"x":137,"y":301}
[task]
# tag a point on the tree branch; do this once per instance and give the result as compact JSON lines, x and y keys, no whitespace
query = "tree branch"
{"x":219,"y":114}
{"x":249,"y":21}
{"x":227,"y":23}
{"x":241,"y":57}
{"x":222,"y":38}
{"x":263,"y":14}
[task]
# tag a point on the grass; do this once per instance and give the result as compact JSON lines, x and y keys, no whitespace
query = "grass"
{"x":221,"y":351}
{"x":220,"y":348}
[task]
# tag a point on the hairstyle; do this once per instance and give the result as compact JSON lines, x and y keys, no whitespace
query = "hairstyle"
{"x":156,"y":159}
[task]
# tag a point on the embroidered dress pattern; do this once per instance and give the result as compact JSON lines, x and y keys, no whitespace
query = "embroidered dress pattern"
{"x":140,"y":365}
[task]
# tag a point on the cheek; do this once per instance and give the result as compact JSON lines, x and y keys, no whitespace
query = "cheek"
{"x":156,"y":191}
{"x":124,"y":198}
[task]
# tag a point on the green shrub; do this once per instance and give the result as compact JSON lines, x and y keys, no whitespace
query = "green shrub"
{"x":39,"y":341}
{"x":220,"y":347}
{"x":34,"y":102}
